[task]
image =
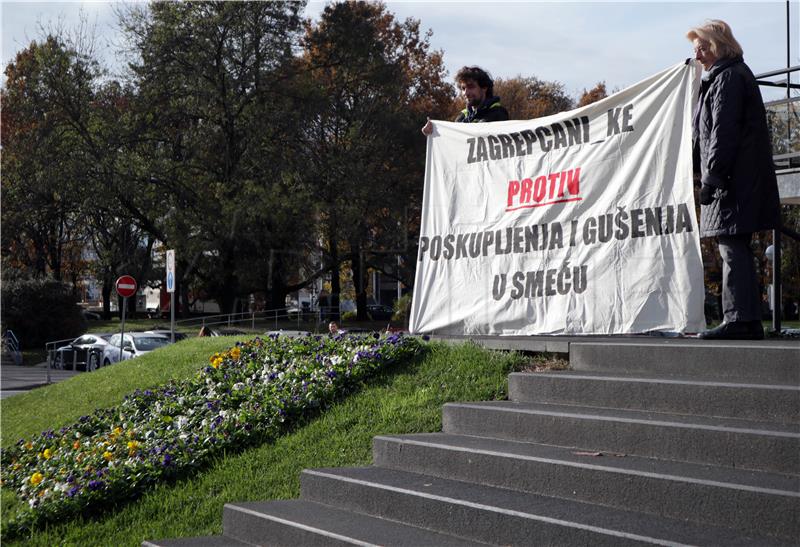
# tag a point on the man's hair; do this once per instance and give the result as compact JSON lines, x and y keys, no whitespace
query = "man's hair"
{"x":719,"y":36}
{"x":480,"y":76}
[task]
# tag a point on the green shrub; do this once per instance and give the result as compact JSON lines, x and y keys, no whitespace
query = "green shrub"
{"x":402,"y":308}
{"x":349,"y":316}
{"x":40,"y":310}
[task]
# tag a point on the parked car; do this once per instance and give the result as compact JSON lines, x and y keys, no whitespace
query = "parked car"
{"x":205,"y":330}
{"x":85,"y":352}
{"x":166,"y":332}
{"x":380,"y":312}
{"x":133,"y":345}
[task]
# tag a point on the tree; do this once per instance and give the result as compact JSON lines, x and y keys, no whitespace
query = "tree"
{"x":527,"y":98}
{"x":593,"y":95}
{"x":210,"y":77}
{"x":44,"y":167}
{"x":374,"y":80}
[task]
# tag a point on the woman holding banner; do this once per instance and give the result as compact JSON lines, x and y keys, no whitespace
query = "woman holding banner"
{"x":733,"y":156}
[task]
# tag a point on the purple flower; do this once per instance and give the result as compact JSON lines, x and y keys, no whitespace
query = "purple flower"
{"x":96,"y":485}
{"x":72,"y":491}
{"x":167,"y":460}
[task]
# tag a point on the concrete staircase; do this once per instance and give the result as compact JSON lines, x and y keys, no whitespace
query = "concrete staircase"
{"x":666,"y":443}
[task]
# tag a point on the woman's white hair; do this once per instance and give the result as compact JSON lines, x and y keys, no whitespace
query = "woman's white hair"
{"x":720,"y":38}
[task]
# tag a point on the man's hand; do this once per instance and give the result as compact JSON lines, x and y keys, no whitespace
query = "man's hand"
{"x":706,"y":194}
{"x":427,"y":129}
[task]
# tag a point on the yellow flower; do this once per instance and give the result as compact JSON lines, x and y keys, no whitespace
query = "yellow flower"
{"x":108,"y":455}
{"x":76,"y":445}
{"x":28,"y":445}
{"x":36,"y":478}
{"x":214,"y":358}
{"x":216,"y":362}
{"x":47,"y":454}
{"x":118,"y":430}
{"x":133,"y":447}
{"x":236,"y":353}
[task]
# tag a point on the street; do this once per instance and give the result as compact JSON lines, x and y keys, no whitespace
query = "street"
{"x":18,"y":379}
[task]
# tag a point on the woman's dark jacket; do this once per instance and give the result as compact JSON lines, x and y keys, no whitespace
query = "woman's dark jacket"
{"x":733,"y":153}
{"x":490,"y":110}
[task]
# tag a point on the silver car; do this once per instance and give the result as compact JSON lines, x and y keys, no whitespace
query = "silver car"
{"x":133,"y":345}
{"x":85,"y":352}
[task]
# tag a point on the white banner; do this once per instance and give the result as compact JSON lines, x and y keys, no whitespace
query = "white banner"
{"x":579,"y":223}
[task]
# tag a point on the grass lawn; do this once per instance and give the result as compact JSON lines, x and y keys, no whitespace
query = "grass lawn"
{"x":401,"y":400}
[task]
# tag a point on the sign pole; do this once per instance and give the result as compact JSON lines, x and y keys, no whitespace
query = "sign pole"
{"x":172,"y":317}
{"x":171,"y":291}
{"x":122,"y":329}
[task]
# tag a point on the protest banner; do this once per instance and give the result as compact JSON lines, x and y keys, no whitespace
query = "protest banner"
{"x":578,"y":223}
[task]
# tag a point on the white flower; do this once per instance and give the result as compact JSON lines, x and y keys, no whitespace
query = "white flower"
{"x":182,"y":422}
{"x":238,"y":386}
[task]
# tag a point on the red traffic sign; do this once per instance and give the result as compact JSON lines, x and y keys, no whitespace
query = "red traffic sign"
{"x":126,"y":286}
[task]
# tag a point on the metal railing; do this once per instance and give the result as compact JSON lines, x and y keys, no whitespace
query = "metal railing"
{"x":11,"y":341}
{"x":277,"y":318}
{"x":786,"y":155}
{"x":52,"y":349}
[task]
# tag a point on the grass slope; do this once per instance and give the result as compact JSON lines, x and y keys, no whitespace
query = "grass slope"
{"x":402,"y":400}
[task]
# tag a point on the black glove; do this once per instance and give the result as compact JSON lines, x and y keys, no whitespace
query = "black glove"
{"x":706,"y":194}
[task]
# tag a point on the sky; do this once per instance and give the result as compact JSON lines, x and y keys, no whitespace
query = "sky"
{"x":575,"y":43}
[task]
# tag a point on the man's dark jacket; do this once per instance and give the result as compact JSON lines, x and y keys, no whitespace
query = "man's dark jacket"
{"x":490,"y":110}
{"x":733,"y":153}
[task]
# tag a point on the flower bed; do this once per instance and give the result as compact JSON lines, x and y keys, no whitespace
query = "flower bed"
{"x":245,"y":396}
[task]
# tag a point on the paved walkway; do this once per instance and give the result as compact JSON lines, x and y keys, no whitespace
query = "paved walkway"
{"x":19,"y":379}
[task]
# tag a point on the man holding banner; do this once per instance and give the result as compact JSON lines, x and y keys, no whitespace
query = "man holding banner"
{"x":477,"y":88}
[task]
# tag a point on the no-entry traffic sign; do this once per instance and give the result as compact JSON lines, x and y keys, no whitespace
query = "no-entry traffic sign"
{"x":126,"y":286}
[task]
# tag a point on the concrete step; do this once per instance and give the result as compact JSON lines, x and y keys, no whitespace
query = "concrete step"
{"x":758,"y":446}
{"x":749,"y":501}
{"x":297,"y":522}
{"x":500,"y":516}
{"x":746,"y":401}
{"x":205,"y":541}
{"x":767,"y":362}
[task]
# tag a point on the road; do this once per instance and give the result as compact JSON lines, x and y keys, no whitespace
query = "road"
{"x":19,"y":379}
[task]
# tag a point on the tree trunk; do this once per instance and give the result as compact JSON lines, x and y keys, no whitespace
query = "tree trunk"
{"x":106,"y":296}
{"x":360,"y":283}
{"x":336,"y":286}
